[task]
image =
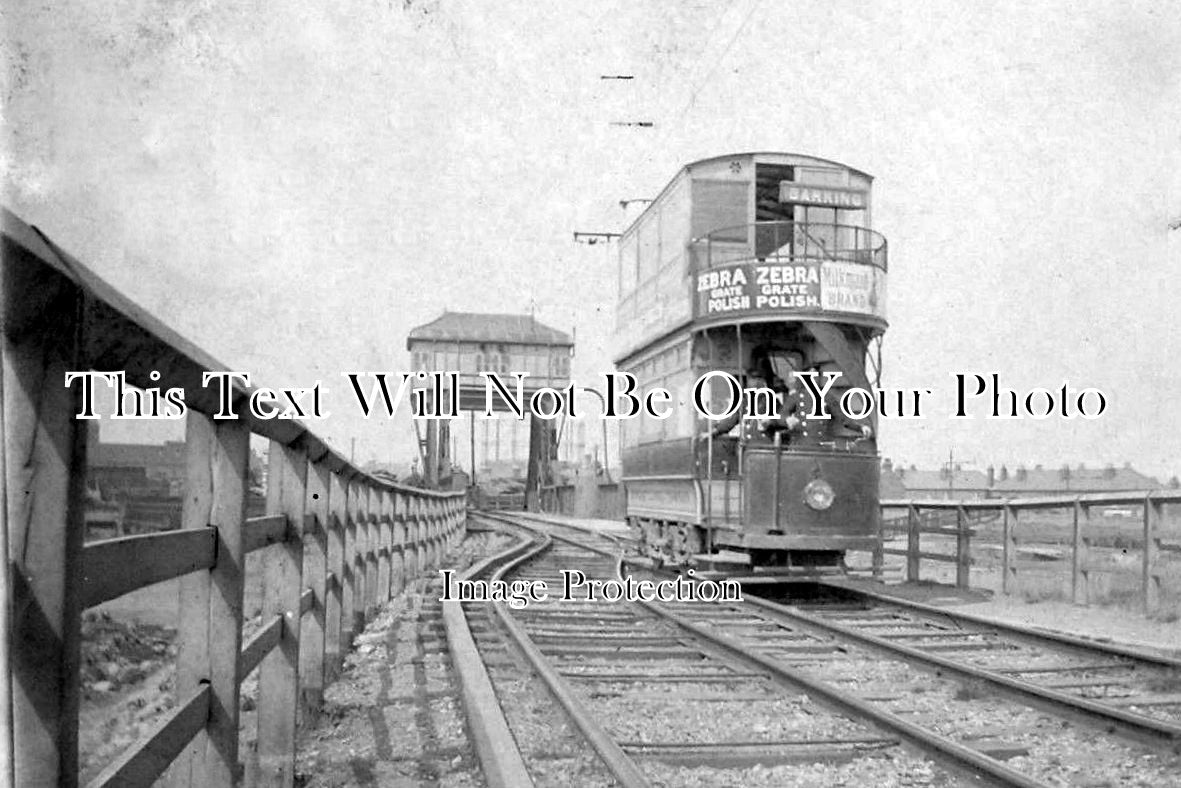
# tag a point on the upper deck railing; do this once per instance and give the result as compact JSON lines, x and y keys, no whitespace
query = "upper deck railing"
{"x":788,"y":241}
{"x":339,"y":542}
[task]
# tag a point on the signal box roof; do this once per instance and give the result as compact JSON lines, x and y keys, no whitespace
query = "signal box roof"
{"x":478,"y":327}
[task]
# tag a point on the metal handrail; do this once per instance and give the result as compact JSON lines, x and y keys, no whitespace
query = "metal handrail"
{"x":793,"y":241}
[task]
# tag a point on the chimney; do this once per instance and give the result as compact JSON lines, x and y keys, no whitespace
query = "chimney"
{"x":1004,"y":476}
{"x":887,"y":465}
{"x":991,"y":476}
{"x":1022,"y":474}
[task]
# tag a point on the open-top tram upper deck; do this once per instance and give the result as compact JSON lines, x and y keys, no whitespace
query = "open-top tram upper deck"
{"x":752,"y":237}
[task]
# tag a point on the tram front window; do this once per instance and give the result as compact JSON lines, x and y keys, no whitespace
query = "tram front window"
{"x":777,"y":373}
{"x":783,"y":365}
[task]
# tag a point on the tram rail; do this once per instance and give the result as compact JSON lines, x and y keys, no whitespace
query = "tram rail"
{"x":598,"y":657}
{"x":1138,"y":694}
{"x":798,"y":649}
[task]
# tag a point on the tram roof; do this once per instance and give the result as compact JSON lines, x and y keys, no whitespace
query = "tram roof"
{"x":754,"y":154}
{"x":484,"y":327}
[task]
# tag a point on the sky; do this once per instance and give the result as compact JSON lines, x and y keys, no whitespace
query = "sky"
{"x":295,"y":186}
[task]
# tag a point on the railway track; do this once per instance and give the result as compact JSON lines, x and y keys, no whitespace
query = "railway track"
{"x":662,"y":706}
{"x":819,"y":696}
{"x":1135,"y":692}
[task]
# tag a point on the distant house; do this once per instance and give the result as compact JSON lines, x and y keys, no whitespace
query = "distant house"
{"x":119,"y":469}
{"x":144,"y":482}
{"x":900,"y":483}
{"x":1039,"y":481}
{"x":891,"y":487}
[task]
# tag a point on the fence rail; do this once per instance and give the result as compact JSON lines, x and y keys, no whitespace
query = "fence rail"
{"x":339,"y":542}
{"x":930,"y":517}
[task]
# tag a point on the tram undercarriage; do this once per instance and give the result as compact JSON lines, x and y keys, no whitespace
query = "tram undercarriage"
{"x":672,"y":543}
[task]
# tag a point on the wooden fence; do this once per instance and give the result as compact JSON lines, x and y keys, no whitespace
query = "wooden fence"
{"x":340,"y":542}
{"x":956,"y":518}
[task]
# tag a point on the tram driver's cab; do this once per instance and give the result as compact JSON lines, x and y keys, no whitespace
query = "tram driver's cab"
{"x":781,"y":404}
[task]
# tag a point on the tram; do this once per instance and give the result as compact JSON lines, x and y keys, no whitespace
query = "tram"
{"x":764,"y":267}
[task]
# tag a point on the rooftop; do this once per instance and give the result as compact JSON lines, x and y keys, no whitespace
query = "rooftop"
{"x":1091,"y":479}
{"x":479,"y":327}
{"x":899,"y":481}
{"x":937,"y":480}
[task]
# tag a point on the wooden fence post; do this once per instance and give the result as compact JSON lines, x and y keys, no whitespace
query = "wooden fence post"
{"x":452,"y":523}
{"x":389,"y":512}
{"x":398,"y":559}
{"x":385,"y":526}
{"x":315,"y":572}
{"x":448,"y":526}
{"x":372,"y":546}
{"x":963,"y":549}
{"x":359,"y":564}
{"x":423,"y":529}
{"x":878,"y":562}
{"x":461,"y":531}
{"x":334,"y":621}
{"x":1150,"y":580}
{"x":278,"y":678}
{"x":1009,"y":549}
{"x":209,"y":625}
{"x":912,"y":543}
{"x":45,"y":479}
{"x":410,"y":553}
{"x":429,"y":538}
{"x":1079,"y":585}
{"x":348,"y":593}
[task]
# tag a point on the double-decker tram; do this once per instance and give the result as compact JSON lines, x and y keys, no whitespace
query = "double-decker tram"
{"x":754,"y":270}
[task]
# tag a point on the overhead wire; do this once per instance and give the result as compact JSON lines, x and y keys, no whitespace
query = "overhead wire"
{"x":718,"y":61}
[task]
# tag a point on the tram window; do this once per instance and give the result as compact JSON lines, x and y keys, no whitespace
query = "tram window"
{"x":649,"y":246}
{"x":629,"y":264}
{"x":851,"y":218}
{"x":850,"y":236}
{"x":674,"y":224}
{"x":784,"y":363}
{"x":820,"y":226}
{"x":720,"y":205}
